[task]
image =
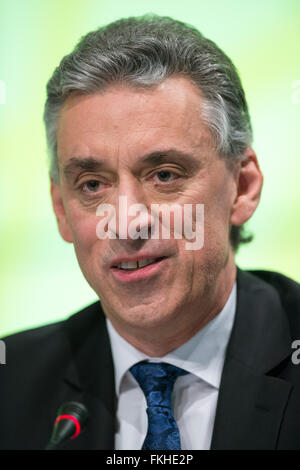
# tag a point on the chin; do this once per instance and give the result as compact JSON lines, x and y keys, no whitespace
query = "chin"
{"x":148,"y":318}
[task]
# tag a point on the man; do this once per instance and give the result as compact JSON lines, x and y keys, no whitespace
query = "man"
{"x":148,"y":111}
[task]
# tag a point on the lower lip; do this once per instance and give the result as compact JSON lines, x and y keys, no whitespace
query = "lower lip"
{"x":139,"y":274}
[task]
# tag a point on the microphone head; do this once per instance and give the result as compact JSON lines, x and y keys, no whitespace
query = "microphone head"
{"x":71,"y":420}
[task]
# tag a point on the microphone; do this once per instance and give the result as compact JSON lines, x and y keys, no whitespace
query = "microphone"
{"x":71,"y":420}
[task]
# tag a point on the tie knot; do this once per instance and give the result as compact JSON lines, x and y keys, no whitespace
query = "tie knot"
{"x":156,"y":379}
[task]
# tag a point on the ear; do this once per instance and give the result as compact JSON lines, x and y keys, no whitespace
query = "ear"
{"x":249,"y":185}
{"x":61,"y":217}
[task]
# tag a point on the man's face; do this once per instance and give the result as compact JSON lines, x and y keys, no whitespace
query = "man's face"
{"x":153,"y":147}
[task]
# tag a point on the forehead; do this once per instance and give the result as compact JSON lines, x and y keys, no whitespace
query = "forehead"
{"x":125,"y":121}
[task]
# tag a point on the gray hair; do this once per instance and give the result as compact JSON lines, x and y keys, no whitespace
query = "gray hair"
{"x":142,"y":52}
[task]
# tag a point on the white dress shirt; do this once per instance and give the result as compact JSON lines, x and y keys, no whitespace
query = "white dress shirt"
{"x":195,"y":395}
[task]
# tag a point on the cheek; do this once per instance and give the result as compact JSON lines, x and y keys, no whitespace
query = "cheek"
{"x":207,"y":224}
{"x":212,"y":235}
{"x":217,"y":217}
{"x":215,"y":229}
{"x":83,"y":228}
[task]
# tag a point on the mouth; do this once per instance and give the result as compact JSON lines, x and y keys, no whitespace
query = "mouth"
{"x":139,"y":264}
{"x":127,"y":271}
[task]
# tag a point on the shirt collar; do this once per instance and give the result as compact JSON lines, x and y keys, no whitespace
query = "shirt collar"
{"x":203,"y":355}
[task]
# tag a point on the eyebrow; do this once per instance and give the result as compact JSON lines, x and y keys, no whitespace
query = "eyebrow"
{"x":94,"y":164}
{"x":87,"y":164}
{"x":176,"y":155}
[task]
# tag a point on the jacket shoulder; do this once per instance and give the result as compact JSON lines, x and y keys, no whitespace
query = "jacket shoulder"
{"x":34,"y":380}
{"x":52,"y":336}
{"x":287,"y":290}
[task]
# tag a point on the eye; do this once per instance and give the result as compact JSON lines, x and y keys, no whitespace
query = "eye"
{"x":166,"y":176}
{"x":90,"y":186}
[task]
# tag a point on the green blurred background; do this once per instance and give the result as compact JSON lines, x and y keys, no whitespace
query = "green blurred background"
{"x":40,"y":279}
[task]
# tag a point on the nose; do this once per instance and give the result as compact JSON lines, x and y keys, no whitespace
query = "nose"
{"x":133,"y":220}
{"x":133,"y":214}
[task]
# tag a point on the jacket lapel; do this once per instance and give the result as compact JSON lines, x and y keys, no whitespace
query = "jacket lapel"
{"x":90,"y":377}
{"x":252,"y":399}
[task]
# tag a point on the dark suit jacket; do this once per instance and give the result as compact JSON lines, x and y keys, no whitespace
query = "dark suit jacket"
{"x":259,"y":400}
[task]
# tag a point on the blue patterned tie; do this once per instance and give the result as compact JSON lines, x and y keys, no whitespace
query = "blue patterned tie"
{"x":157,"y":379}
